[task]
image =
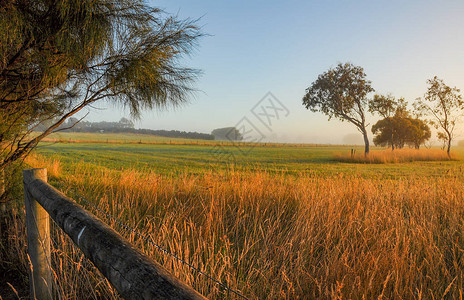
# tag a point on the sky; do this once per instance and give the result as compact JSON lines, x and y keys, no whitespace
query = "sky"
{"x":256,"y":47}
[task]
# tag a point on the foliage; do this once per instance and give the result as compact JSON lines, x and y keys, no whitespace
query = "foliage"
{"x":58,"y":57}
{"x":444,"y":105}
{"x":398,"y":131}
{"x":419,"y":132}
{"x":227,"y":134}
{"x":387,"y":106}
{"x":341,"y":92}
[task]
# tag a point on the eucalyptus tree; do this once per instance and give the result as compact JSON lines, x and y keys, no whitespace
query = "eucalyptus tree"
{"x":341,"y":92}
{"x":399,"y":130}
{"x":58,"y":57}
{"x":444,"y":105}
{"x":387,"y":107}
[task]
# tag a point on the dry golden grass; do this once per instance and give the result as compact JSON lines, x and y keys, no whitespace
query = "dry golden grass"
{"x":53,"y":165}
{"x":396,"y":156}
{"x":274,"y":236}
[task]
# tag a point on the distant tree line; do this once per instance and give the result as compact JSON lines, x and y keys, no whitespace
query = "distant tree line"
{"x":125,"y":126}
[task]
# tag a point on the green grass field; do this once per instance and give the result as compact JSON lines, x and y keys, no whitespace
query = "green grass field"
{"x":171,"y":156}
{"x":116,"y":138}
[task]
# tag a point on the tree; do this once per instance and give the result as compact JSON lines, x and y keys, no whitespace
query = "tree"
{"x":387,"y":106}
{"x":419,"y":132}
{"x":58,"y":57}
{"x":126,"y":123}
{"x":341,"y":92}
{"x":444,"y":105}
{"x":400,"y":130}
{"x":227,"y":133}
{"x":387,"y":132}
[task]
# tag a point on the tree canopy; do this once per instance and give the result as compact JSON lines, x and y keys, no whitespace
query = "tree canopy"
{"x":227,"y":134}
{"x":58,"y":57}
{"x":387,"y":107}
{"x":341,"y":92}
{"x":398,"y":131}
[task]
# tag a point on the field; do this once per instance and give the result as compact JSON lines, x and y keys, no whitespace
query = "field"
{"x":270,"y":221}
{"x":182,"y":156}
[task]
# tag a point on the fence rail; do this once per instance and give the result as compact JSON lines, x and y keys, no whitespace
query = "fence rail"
{"x":133,"y":274}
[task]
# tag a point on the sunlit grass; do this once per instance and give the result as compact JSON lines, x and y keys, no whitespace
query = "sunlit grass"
{"x":273,"y":236}
{"x":396,"y":156}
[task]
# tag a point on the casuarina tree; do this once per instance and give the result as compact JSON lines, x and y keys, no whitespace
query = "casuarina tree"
{"x":58,"y":57}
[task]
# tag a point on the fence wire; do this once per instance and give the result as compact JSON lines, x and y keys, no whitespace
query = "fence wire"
{"x":162,"y":249}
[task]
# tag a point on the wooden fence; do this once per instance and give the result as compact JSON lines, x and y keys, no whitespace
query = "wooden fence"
{"x":133,"y":274}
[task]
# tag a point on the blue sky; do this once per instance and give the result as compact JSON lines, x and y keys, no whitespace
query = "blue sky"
{"x":257,"y":47}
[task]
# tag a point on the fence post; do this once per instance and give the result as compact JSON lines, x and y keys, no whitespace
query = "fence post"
{"x":38,"y":239}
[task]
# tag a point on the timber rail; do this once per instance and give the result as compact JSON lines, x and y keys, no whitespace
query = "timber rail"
{"x":133,"y":274}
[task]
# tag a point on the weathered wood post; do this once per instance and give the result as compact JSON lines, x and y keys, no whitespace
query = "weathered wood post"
{"x":38,"y":239}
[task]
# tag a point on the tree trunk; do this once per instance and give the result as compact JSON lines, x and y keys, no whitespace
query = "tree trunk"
{"x":366,"y":142}
{"x":449,"y":148}
{"x":391,"y":129}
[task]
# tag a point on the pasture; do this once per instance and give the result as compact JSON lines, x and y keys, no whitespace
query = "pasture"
{"x":280,"y":221}
{"x":174,"y":156}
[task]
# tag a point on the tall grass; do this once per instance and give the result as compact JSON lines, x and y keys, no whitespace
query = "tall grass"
{"x":276,"y":236}
{"x":396,"y":156}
